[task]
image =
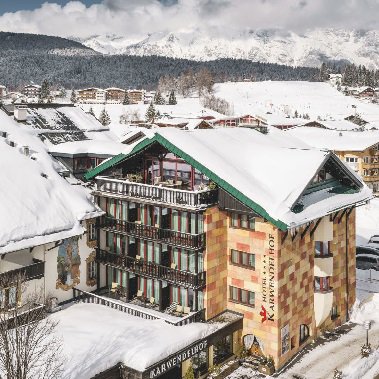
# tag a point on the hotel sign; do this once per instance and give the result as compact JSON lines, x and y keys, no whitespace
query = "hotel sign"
{"x":268,"y":282}
{"x":176,"y":360}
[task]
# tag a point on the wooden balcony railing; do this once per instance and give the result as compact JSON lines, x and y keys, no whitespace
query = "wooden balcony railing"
{"x":34,"y":271}
{"x":152,"y":270}
{"x":171,"y":196}
{"x":167,"y":236}
{"x":87,"y":297}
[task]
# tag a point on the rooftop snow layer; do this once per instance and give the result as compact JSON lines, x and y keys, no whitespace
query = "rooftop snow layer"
{"x":89,"y":147}
{"x":38,"y":205}
{"x":96,"y":338}
{"x":335,"y":140}
{"x":271,"y":170}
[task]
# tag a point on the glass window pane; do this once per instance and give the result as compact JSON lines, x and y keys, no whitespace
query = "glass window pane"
{"x":235,"y":255}
{"x":244,"y":221}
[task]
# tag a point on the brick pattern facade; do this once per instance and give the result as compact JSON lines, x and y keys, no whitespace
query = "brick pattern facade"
{"x":284,"y":275}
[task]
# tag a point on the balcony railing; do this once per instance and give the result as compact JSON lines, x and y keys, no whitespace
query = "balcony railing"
{"x":87,"y":297}
{"x":34,"y":271}
{"x":152,"y":270}
{"x":167,"y":236}
{"x":164,"y":195}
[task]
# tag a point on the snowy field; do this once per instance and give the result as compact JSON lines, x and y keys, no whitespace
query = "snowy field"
{"x":279,"y":98}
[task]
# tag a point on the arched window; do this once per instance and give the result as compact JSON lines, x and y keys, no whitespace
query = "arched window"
{"x":304,"y":333}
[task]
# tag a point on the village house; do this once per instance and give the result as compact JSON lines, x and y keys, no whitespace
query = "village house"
{"x":360,"y":150}
{"x":32,"y":90}
{"x":136,"y":96}
{"x":48,"y":237}
{"x":80,"y":156}
{"x":115,"y":95}
{"x":197,"y":226}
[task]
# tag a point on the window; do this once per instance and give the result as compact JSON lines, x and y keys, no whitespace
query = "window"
{"x":304,"y":333}
{"x":91,"y":232}
{"x":241,"y":258}
{"x":241,"y":296}
{"x":322,"y":248}
{"x":222,"y":349}
{"x":91,"y":270}
{"x":242,"y":221}
{"x":322,"y":284}
{"x":9,"y":298}
{"x":334,"y":314}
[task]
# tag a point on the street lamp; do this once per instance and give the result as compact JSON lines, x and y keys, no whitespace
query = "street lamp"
{"x":367,"y":326}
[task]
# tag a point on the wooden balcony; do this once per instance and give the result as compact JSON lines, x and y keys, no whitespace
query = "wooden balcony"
{"x":152,"y":270}
{"x":371,"y":178}
{"x":167,"y":236}
{"x":157,"y":194}
{"x":26,"y":273}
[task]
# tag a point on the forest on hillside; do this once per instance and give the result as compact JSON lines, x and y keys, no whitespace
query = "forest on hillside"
{"x":18,"y":68}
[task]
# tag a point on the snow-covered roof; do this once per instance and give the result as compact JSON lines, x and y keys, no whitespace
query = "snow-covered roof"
{"x":136,"y":132}
{"x":88,"y":147}
{"x":103,"y":337}
{"x":114,"y":89}
{"x":194,"y":123}
{"x":341,"y":125}
{"x":38,"y":206}
{"x":336,"y":140}
{"x":269,"y":173}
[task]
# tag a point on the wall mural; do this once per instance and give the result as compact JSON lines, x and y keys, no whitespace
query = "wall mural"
{"x":68,"y":264}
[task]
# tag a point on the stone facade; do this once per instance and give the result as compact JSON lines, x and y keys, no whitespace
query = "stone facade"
{"x":283,"y":278}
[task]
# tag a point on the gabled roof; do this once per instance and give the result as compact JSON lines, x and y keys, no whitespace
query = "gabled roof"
{"x":336,"y":140}
{"x":267,"y":173}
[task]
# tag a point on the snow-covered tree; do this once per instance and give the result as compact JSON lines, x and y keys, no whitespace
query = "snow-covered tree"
{"x":91,"y":112}
{"x":45,"y":90}
{"x":172,"y":99}
{"x":150,"y":113}
{"x":30,"y":348}
{"x":73,"y":97}
{"x":158,"y":99}
{"x":104,"y":118}
{"x":126,"y":100}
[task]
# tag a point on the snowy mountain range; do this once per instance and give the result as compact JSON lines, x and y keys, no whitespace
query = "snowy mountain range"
{"x":273,"y":46}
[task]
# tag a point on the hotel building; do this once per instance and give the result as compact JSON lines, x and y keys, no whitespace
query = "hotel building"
{"x":232,"y":220}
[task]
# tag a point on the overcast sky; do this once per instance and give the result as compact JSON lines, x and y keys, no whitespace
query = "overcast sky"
{"x":136,"y":18}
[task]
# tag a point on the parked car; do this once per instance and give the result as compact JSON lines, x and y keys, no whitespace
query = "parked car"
{"x":374,"y":240}
{"x":368,"y":250}
{"x":367,"y":262}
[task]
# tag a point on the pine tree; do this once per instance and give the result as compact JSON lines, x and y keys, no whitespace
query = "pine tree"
{"x":73,"y":97}
{"x":104,"y":118}
{"x":45,"y":89}
{"x":150,"y":113}
{"x":189,"y":374}
{"x":158,"y":99}
{"x":324,"y":75}
{"x":172,"y":99}
{"x":126,"y":100}
{"x":91,"y":112}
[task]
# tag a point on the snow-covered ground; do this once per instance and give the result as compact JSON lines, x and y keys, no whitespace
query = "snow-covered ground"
{"x":342,"y":353}
{"x":281,"y":98}
{"x":187,"y":108}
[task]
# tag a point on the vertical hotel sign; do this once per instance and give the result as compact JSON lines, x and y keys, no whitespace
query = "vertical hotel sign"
{"x":268,"y":282}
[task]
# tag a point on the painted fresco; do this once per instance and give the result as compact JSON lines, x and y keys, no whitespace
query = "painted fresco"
{"x":68,"y":264}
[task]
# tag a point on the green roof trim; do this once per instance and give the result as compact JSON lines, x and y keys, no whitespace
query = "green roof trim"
{"x":117,"y":159}
{"x":211,"y":175}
